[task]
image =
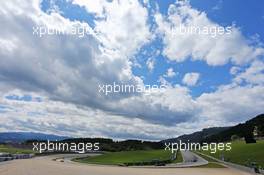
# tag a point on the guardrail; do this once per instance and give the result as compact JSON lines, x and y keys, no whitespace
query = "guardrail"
{"x":233,"y":165}
{"x":8,"y":157}
{"x":155,"y":162}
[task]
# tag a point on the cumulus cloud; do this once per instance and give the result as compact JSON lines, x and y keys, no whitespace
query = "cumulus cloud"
{"x":216,"y":48}
{"x":69,"y":69}
{"x":150,"y":64}
{"x":191,"y":78}
{"x":170,"y":73}
{"x":66,"y":67}
{"x":119,"y":25}
{"x":50,"y":116}
{"x":254,"y":74}
{"x":224,"y":105}
{"x":60,"y":73}
{"x":234,"y":70}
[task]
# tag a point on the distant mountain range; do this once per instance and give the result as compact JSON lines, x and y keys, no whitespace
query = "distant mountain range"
{"x":24,"y":136}
{"x":223,"y":134}
{"x":247,"y":130}
{"x":198,"y":136}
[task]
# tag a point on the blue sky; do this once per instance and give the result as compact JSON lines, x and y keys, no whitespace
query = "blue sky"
{"x":50,"y":83}
{"x":219,"y":11}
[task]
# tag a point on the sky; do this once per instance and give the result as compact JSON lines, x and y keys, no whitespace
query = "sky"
{"x":49,"y":82}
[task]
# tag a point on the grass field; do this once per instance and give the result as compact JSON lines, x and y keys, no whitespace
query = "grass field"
{"x":129,"y":157}
{"x":12,"y":150}
{"x":242,"y":153}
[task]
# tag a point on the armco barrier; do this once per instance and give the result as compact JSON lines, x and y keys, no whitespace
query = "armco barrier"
{"x":233,"y":165}
{"x":7,"y":157}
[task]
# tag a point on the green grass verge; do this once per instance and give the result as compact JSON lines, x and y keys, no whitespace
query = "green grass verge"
{"x":242,"y":153}
{"x":211,"y":162}
{"x":116,"y":158}
{"x":211,"y":165}
{"x":179,"y":158}
{"x":12,"y":150}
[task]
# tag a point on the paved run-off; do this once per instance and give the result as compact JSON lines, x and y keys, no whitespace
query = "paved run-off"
{"x":46,"y":166}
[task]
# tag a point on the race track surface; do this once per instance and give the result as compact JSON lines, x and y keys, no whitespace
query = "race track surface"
{"x":47,"y":166}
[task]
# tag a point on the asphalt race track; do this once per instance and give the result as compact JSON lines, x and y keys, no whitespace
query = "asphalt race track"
{"x":47,"y":166}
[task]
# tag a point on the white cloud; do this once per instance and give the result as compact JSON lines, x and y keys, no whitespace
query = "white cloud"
{"x":61,"y":118}
{"x":234,"y":70}
{"x":66,"y":67}
{"x":96,"y":7}
{"x":120,"y":25}
{"x":168,"y":107}
{"x":253,"y":74}
{"x":65,"y":72}
{"x":191,"y":78}
{"x":226,"y":104}
{"x":218,"y":6}
{"x":69,"y":69}
{"x":170,"y":73}
{"x":163,"y":81}
{"x":150,"y":64}
{"x":215,"y":50}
